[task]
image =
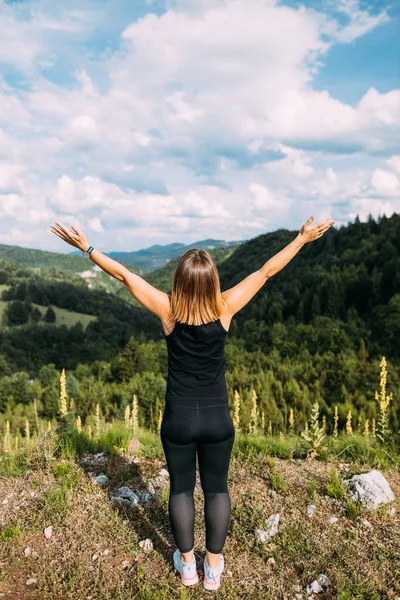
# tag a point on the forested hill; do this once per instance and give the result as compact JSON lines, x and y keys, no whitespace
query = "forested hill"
{"x":345,"y":285}
{"x":317,"y":330}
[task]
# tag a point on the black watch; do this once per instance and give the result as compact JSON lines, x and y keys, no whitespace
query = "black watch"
{"x":88,"y":251}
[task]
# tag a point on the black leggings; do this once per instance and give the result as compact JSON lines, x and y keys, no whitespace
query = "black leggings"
{"x":207,"y":428}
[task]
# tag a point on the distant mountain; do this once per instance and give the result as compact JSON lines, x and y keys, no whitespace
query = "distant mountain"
{"x":73,"y":265}
{"x":158,"y":255}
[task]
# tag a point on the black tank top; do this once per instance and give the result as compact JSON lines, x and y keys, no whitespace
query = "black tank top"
{"x":196,"y":363}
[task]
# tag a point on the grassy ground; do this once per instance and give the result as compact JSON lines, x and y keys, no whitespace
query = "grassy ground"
{"x":94,"y":553}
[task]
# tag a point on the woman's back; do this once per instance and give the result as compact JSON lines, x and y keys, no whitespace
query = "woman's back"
{"x":196,"y":363}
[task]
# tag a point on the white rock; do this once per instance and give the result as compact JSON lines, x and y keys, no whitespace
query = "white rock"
{"x":101,"y":480}
{"x":31,"y":581}
{"x":164,"y":473}
{"x":48,"y":532}
{"x":146,"y":544}
{"x":94,"y":556}
{"x":367,"y":523}
{"x":333,"y":519}
{"x":272,"y":528}
{"x":371,"y":489}
{"x":311,"y":508}
{"x":5,"y":501}
{"x":323,"y":579}
{"x":391,"y":511}
{"x":271,"y":560}
{"x":27,"y":551}
{"x":314,"y":588}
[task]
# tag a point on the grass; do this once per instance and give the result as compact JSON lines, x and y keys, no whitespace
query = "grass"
{"x":359,"y":561}
{"x":335,"y":487}
{"x":63,"y":316}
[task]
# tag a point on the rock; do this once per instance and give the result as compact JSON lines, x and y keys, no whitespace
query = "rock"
{"x":391,"y":511}
{"x":272,"y":529}
{"x":105,"y":552}
{"x":101,"y":480}
{"x":164,"y":473}
{"x":27,"y":551}
{"x":48,"y":532}
{"x":371,"y":489}
{"x":134,"y":445}
{"x":333,"y":520}
{"x":5,"y":501}
{"x":125,"y":496}
{"x":94,"y":557}
{"x":367,"y":523}
{"x":143,"y":496}
{"x":136,"y":459}
{"x":314,"y":588}
{"x":323,"y":579}
{"x":128,"y":497}
{"x":146,"y":544}
{"x":311,"y":510}
{"x":31,"y":581}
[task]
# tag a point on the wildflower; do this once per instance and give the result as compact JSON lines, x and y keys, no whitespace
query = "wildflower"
{"x":236,"y":411}
{"x":78,"y":424}
{"x":336,"y":419}
{"x":63,"y":404}
{"x":314,"y":434}
{"x":384,"y":400}
{"x":349,"y":428}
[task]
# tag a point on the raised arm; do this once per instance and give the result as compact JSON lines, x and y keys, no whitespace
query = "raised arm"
{"x":239,"y":295}
{"x":152,"y":298}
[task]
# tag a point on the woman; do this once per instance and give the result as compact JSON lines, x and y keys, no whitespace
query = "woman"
{"x":196,"y":419}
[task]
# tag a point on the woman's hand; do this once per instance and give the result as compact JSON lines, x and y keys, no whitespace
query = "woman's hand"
{"x":309,"y":233}
{"x":74,"y":238}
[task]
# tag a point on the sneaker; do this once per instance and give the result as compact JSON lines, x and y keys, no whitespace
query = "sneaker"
{"x":188,"y":571}
{"x":212,"y":576}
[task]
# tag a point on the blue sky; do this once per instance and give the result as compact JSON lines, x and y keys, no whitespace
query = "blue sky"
{"x":156,"y":121}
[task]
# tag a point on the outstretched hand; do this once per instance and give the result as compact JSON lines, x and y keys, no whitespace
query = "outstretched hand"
{"x":74,"y":238}
{"x":309,"y":233}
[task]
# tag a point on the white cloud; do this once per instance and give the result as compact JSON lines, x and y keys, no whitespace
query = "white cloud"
{"x":385,"y":182}
{"x":95,"y":225}
{"x":365,"y":206}
{"x":199,"y":119}
{"x":394,"y":163}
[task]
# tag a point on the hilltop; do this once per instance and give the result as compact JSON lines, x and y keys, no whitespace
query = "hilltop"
{"x":62,"y":537}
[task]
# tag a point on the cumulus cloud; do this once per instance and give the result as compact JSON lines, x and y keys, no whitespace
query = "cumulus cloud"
{"x":196,"y":117}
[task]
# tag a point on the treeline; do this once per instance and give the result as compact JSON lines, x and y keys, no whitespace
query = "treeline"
{"x":348,"y":380}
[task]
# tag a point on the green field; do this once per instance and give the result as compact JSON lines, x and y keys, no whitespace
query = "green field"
{"x":63,"y":316}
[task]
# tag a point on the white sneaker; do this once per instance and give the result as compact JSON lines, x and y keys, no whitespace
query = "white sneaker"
{"x":212,"y":576}
{"x":188,"y":571}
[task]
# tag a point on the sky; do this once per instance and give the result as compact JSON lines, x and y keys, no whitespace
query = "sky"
{"x":157,"y":121}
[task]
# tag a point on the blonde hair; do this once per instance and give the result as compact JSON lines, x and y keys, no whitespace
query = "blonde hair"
{"x":196,"y":293}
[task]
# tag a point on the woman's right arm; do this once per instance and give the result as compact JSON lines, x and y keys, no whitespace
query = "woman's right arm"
{"x":239,"y":295}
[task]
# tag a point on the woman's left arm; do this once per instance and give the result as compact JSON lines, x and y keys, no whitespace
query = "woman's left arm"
{"x":152,"y":298}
